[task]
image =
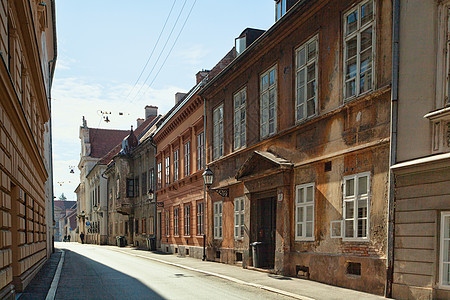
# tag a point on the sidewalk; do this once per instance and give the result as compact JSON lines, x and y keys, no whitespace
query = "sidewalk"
{"x":288,"y":286}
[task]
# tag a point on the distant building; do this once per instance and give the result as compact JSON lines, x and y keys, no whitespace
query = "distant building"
{"x":60,"y":211}
{"x":27,"y":64}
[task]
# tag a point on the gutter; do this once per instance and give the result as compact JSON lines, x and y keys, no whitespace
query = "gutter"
{"x":50,"y":83}
{"x":393,"y":147}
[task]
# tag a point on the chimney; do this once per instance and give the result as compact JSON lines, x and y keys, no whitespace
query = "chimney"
{"x":178,"y":97}
{"x":139,"y":122}
{"x":201,"y":75}
{"x":151,"y":111}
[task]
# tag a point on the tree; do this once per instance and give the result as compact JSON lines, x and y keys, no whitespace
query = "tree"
{"x":62,"y":197}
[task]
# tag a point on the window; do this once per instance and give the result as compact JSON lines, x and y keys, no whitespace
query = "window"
{"x":136,"y":226}
{"x":218,"y":132}
{"x":359,"y":40}
{"x":187,"y":219}
{"x":187,"y":159}
{"x":200,"y":218}
{"x":304,"y":212}
{"x":240,"y":44}
{"x":356,"y":206}
{"x":143,"y":225}
{"x":159,"y":175}
{"x":268,"y":105}
{"x":136,"y":187}
{"x":200,"y":151}
{"x":176,"y":164}
{"x":280,"y":9}
{"x":306,"y":79}
{"x":167,"y":223}
{"x":239,"y":218}
{"x":130,"y":187}
{"x":240,"y":123}
{"x":444,"y":263}
{"x":218,"y":219}
{"x":151,"y":225}
{"x":117,"y":187}
{"x":151,"y":178}
{"x":144,"y":183}
{"x":175,"y":221}
{"x":444,"y":57}
{"x":167,"y":168}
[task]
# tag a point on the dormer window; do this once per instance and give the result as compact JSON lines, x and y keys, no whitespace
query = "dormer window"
{"x":241,"y":43}
{"x":280,"y":10}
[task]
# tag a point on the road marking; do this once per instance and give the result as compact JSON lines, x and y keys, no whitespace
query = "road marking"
{"x":263,"y":287}
{"x":52,"y":291}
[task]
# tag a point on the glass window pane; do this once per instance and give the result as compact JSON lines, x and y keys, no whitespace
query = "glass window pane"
{"x":301,"y":78}
{"x":366,"y":13}
{"x":366,"y":39}
{"x":300,"y":113}
{"x":447,"y":227}
{"x":301,"y":58}
{"x":362,"y":208}
{"x":311,"y":90}
{"x":350,"y":187}
{"x":349,"y":228}
{"x":311,"y":50}
{"x":350,"y":88}
{"x":311,"y":72}
{"x":311,"y":107}
{"x":349,"y":209}
{"x":264,"y":82}
{"x":309,"y":213}
{"x":350,"y":69}
{"x":309,"y":194}
{"x":365,"y":81}
{"x":300,"y":214}
{"x":352,"y":47}
{"x":299,"y":229}
{"x":272,"y":77}
{"x":309,"y":226}
{"x":351,"y":22}
{"x":362,"y":228}
{"x":362,"y":185}
{"x":446,"y":274}
{"x":300,"y":198}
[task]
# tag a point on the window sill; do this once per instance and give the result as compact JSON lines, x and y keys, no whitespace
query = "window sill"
{"x":305,"y":240}
{"x":356,"y":240}
{"x":355,"y":97}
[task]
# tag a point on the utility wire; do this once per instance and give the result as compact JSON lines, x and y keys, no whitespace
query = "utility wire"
{"x":160,"y":54}
{"x":153,"y":50}
{"x":170,"y":51}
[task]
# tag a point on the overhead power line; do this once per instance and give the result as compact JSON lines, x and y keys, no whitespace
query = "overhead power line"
{"x":164,"y":47}
{"x":153,"y":50}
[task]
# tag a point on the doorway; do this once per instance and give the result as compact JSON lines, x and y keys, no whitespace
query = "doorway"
{"x":158,"y":230}
{"x":266,"y":229}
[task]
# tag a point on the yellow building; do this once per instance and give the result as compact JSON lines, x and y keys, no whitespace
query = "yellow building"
{"x":28,"y":53}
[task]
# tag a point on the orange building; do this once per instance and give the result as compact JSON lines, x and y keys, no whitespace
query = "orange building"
{"x":28,"y":56}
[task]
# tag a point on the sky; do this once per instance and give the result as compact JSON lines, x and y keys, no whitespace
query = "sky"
{"x":119,"y":56}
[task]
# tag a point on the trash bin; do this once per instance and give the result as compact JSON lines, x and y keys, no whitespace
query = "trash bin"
{"x":151,"y":243}
{"x":120,"y":241}
{"x":257,"y":254}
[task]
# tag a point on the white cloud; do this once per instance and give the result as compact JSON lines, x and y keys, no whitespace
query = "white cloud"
{"x":74,"y":98}
{"x":194,"y":55}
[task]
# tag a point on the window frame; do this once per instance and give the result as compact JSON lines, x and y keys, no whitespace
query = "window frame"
{"x":200,"y":218}
{"x":176,"y":165}
{"x":350,"y":36}
{"x":187,"y":159}
{"x":218,"y":220}
{"x":167,"y":222}
{"x":262,"y":92}
{"x":444,"y":216}
{"x":218,"y":134}
{"x":167,"y":170}
{"x":159,"y":175}
{"x":200,"y":151}
{"x":238,"y":111}
{"x":305,"y":205}
{"x":304,"y":68}
{"x":239,"y":218}
{"x":130,"y":187}
{"x":176,"y":221}
{"x":187,"y":219}
{"x":355,"y":200}
{"x":283,"y":9}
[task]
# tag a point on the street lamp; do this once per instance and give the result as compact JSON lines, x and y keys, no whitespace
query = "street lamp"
{"x":208,"y":177}
{"x":151,"y":195}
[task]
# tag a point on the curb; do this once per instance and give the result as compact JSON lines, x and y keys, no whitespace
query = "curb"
{"x":263,"y":287}
{"x":54,"y":286}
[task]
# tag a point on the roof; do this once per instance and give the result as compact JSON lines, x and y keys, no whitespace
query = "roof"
{"x":103,"y":140}
{"x":64,"y":204}
{"x":140,"y":131}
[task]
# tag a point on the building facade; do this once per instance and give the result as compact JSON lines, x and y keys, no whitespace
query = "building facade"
{"x":421,"y":155}
{"x":297,"y":137}
{"x":28,"y":55}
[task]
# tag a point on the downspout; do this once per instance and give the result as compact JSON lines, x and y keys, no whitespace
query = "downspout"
{"x":204,"y":186}
{"x":393,"y":147}
{"x":155,"y":198}
{"x":52,"y":72}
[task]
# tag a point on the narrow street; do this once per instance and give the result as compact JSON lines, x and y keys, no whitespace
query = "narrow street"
{"x":95,"y":272}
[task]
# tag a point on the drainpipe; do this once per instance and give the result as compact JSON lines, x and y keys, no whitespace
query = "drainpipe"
{"x":393,"y":147}
{"x":204,"y":186}
{"x":155,"y":198}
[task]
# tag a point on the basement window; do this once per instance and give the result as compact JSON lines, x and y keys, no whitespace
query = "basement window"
{"x":354,"y":268}
{"x":238,"y":256}
{"x":218,"y":254}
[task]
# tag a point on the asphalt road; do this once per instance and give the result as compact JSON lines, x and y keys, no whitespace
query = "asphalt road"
{"x":95,"y":272}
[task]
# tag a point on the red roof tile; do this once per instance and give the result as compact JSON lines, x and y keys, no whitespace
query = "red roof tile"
{"x":103,"y":140}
